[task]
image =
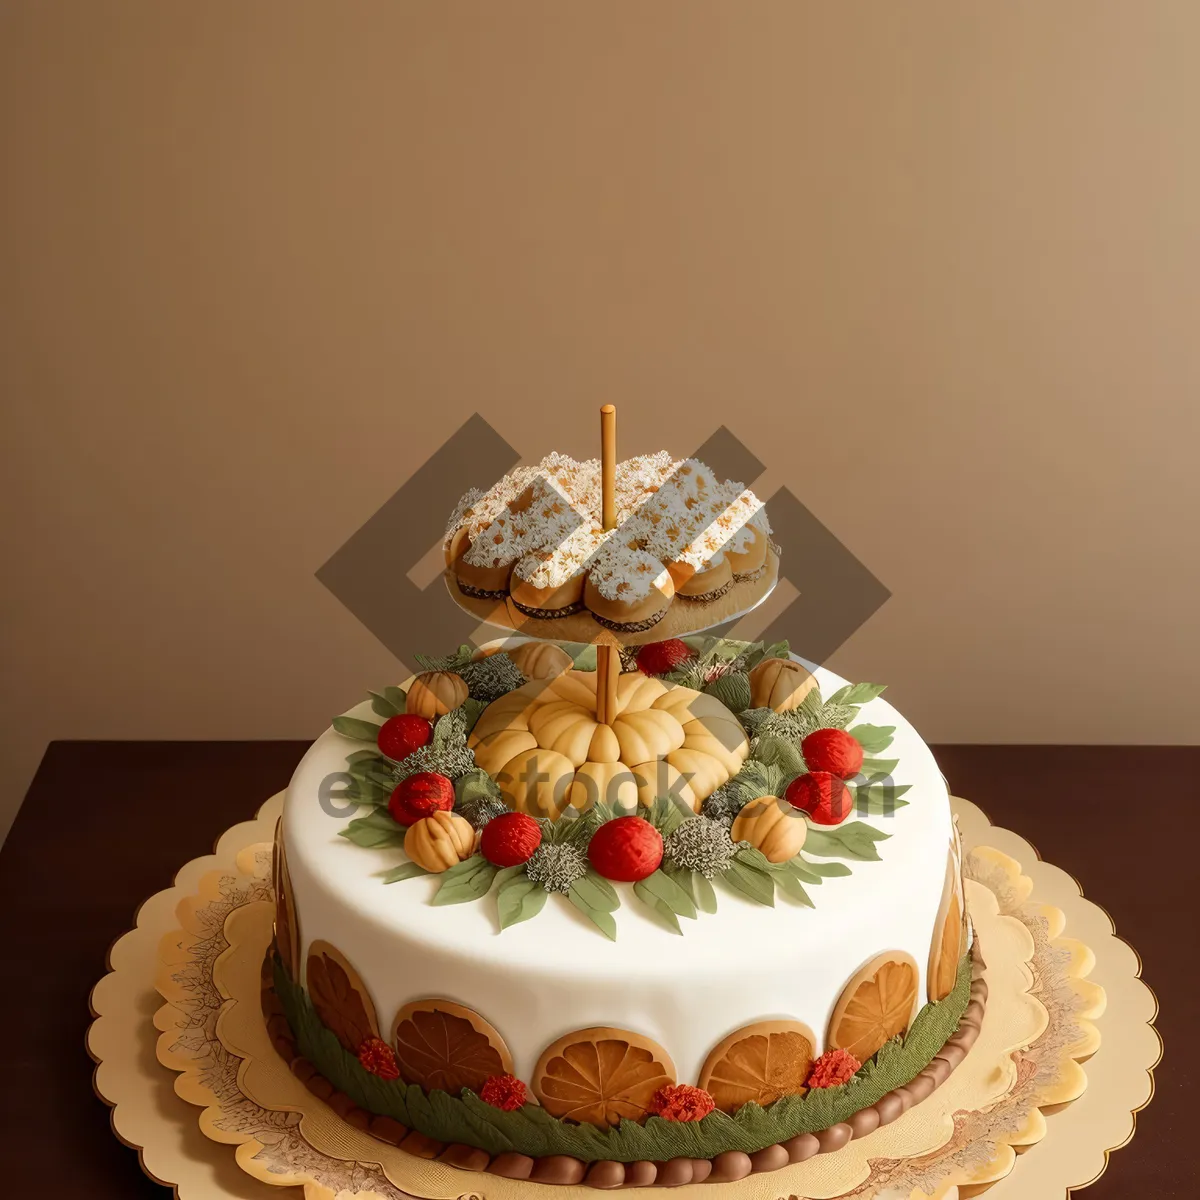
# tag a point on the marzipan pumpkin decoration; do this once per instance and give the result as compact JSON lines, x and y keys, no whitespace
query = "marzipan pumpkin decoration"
{"x":339,"y":996}
{"x":440,"y":841}
{"x":545,"y":748}
{"x":443,"y":1046}
{"x":432,"y":694}
{"x":601,"y":1076}
{"x":780,"y":684}
{"x":772,"y":826}
{"x":759,"y":1064}
{"x":878,"y":1004}
{"x":540,"y":660}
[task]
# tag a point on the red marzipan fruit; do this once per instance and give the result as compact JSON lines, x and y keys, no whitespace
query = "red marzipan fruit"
{"x":660,"y":658}
{"x":833,"y":750}
{"x":510,"y":839}
{"x":400,"y":736}
{"x":421,"y":795}
{"x":825,"y":797}
{"x":626,"y":849}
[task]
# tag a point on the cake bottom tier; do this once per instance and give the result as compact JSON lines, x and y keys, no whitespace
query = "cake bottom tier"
{"x":526,"y":1142}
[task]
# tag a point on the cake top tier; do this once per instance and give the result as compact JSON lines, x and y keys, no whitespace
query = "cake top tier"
{"x":537,"y":536}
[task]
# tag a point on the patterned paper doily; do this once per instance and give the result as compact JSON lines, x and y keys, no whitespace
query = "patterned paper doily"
{"x":205,"y":938}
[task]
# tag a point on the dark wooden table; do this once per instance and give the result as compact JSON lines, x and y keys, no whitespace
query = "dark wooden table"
{"x":107,"y":824}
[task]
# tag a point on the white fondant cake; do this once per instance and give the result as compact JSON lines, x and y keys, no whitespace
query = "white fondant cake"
{"x":542,"y":979}
{"x":615,"y":916}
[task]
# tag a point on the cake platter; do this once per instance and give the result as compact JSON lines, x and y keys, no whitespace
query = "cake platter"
{"x":1082,"y":1013}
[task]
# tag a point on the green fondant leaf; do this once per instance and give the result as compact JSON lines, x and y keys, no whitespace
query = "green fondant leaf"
{"x":397,"y":697}
{"x":874,"y":739}
{"x":857,"y":693}
{"x":756,"y":779}
{"x":854,"y":840}
{"x":352,"y":727}
{"x":790,"y":885}
{"x":879,"y":799}
{"x":750,"y":883}
{"x":754,"y":858}
{"x":519,"y":900}
{"x":408,"y":870}
{"x":472,"y":710}
{"x":600,"y":917}
{"x":470,"y":879}
{"x":374,"y":831}
{"x":597,"y":891}
{"x":782,"y":754}
{"x":662,"y":887}
{"x":662,"y":910}
{"x":876,"y":768}
{"x":706,"y":897}
{"x":381,"y":706}
{"x":583,"y":655}
{"x":475,"y":785}
{"x":828,"y":869}
{"x":733,"y":690}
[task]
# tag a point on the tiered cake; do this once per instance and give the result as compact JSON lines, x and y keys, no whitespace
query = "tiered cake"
{"x":571,"y":912}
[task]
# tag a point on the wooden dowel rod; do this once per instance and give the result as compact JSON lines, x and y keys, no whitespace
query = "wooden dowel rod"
{"x":608,"y":465}
{"x":608,"y":671}
{"x":601,"y":685}
{"x":613,"y":654}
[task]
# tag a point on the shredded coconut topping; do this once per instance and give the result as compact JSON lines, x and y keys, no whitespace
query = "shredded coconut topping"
{"x":622,"y":573}
{"x":546,"y":519}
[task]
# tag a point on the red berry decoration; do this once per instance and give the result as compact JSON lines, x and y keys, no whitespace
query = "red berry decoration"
{"x":834,"y":1067}
{"x":660,"y":658}
{"x":421,"y":795}
{"x":825,"y":797}
{"x":378,"y":1058}
{"x":400,"y":736}
{"x":510,"y":839}
{"x":505,"y":1092}
{"x":681,"y":1102}
{"x":626,"y":849}
{"x":833,"y":750}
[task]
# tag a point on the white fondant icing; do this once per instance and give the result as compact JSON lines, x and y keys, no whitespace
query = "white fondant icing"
{"x":556,"y":973}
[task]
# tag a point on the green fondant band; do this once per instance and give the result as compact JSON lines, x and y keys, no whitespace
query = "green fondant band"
{"x":532,"y":1131}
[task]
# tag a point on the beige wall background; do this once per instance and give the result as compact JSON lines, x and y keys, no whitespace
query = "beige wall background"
{"x":938,"y":263}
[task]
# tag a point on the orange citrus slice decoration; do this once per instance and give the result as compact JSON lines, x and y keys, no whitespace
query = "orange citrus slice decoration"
{"x":877,"y":1004}
{"x":339,"y":996}
{"x":949,"y":930}
{"x":759,"y":1064}
{"x":443,"y":1046}
{"x":600,"y":1076}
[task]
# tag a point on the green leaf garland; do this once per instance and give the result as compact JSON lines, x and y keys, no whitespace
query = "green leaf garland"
{"x":720,"y":669}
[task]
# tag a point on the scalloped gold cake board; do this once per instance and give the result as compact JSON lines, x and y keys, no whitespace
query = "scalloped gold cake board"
{"x":1050,"y":995}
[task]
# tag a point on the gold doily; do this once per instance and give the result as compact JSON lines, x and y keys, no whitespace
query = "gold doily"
{"x":204,"y":939}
